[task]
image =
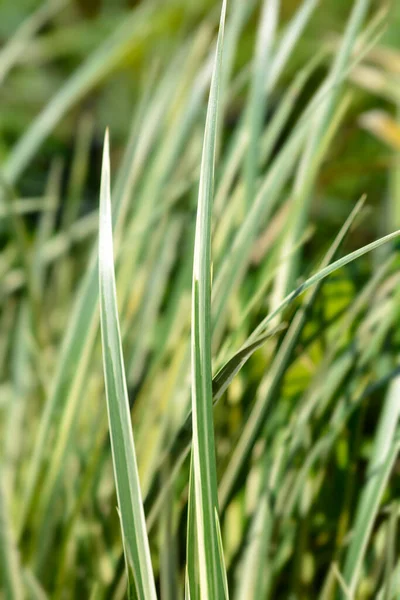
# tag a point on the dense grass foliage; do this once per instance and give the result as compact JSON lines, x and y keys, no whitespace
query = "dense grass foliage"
{"x":199,"y":342}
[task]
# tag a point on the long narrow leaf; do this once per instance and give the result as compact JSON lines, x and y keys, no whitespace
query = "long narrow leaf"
{"x":338,"y":264}
{"x":384,"y":454}
{"x":123,"y":450}
{"x":204,"y":467}
{"x":10,"y":572}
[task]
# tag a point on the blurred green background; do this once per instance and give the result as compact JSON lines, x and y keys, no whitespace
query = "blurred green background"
{"x":357,"y":163}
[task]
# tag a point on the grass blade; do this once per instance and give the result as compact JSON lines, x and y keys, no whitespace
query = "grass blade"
{"x":385,"y":452}
{"x":223,"y":378}
{"x":338,"y":264}
{"x":133,"y":525}
{"x":9,"y":564}
{"x":204,"y":468}
{"x":256,"y":107}
{"x":192,"y":580}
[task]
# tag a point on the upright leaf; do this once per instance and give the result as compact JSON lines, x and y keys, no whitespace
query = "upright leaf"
{"x":211,"y":567}
{"x":126,"y":476}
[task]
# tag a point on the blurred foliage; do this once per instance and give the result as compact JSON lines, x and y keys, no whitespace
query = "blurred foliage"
{"x":78,"y":29}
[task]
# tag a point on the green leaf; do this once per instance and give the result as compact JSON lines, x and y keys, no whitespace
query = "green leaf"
{"x":386,"y":449}
{"x":223,"y":378}
{"x":126,"y":475}
{"x":10,"y":571}
{"x":211,"y":567}
{"x":322,"y":274}
{"x":257,"y":104}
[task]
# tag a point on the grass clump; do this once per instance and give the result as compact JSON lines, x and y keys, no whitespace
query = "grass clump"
{"x":252,"y":396}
